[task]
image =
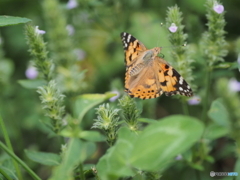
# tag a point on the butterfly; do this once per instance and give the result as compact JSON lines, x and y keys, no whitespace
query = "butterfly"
{"x":147,"y":75}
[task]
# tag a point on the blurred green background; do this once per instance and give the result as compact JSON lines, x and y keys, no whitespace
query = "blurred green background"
{"x":94,"y":27}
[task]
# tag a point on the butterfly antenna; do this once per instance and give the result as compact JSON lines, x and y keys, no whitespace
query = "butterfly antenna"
{"x":161,"y":24}
{"x":184,"y":45}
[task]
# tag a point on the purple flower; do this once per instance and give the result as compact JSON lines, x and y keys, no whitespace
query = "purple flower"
{"x":195,"y":100}
{"x":114,"y":98}
{"x":173,"y":28}
{"x":70,"y":29}
{"x":72,"y":4}
{"x":80,"y":54}
{"x":218,"y":8}
{"x":31,"y":72}
{"x":37,"y":31}
{"x":234,"y":85}
{"x":178,"y":157}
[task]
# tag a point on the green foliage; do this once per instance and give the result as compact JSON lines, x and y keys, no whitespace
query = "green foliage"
{"x":77,"y":152}
{"x":178,"y":132}
{"x":56,"y":23}
{"x":84,"y":103}
{"x":11,"y":20}
{"x":44,"y":158}
{"x":130,"y":112}
{"x":39,"y":52}
{"x":146,"y":151}
{"x":32,"y":84}
{"x":108,"y":121}
{"x":232,"y":103}
{"x":213,"y":42}
{"x":68,"y":72}
{"x":52,"y":102}
{"x":219,"y":114}
{"x":6,"y":68}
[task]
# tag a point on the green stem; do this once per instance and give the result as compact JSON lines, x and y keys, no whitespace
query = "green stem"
{"x":198,"y":177}
{"x":5,"y":174}
{"x":185,"y":107}
{"x":206,"y":99}
{"x":80,"y":167}
{"x":9,"y":145}
{"x":17,"y":159}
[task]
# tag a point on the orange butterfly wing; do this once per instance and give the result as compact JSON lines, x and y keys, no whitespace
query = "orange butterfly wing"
{"x":171,"y":82}
{"x":152,"y":78}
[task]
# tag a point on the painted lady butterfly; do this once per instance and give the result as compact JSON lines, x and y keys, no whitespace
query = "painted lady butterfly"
{"x":147,"y":75}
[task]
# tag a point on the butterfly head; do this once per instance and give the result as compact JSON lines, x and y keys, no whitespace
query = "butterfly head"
{"x":156,"y":50}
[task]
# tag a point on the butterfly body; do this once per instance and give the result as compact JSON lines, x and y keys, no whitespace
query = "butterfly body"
{"x":147,"y":75}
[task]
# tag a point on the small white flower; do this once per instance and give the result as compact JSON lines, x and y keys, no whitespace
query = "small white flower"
{"x":173,"y":28}
{"x":218,"y":8}
{"x":114,"y":98}
{"x":70,"y":29}
{"x":72,"y":4}
{"x":195,"y":100}
{"x":37,"y":31}
{"x":31,"y":72}
{"x":234,"y":85}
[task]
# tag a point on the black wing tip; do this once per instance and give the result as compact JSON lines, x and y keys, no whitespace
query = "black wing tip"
{"x":123,"y":34}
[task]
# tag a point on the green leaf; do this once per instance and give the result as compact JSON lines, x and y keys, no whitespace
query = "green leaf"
{"x":32,"y":84}
{"x":8,"y":172}
{"x":147,"y":120}
{"x":76,"y":153}
{"x":49,"y":159}
{"x":214,"y":131}
{"x":115,"y":163}
{"x":219,"y":114}
{"x":234,"y":65}
{"x":11,"y":20}
{"x":160,"y":142}
{"x":85,"y":102}
{"x":93,"y":136}
{"x":224,"y":65}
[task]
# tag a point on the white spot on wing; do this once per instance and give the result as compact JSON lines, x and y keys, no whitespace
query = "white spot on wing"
{"x":181,"y":80}
{"x":129,"y":37}
{"x":180,"y":88}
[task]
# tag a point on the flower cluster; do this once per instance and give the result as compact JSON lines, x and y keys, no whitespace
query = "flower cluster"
{"x":52,"y":101}
{"x":39,"y":54}
{"x":130,"y":112}
{"x":107,"y":120}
